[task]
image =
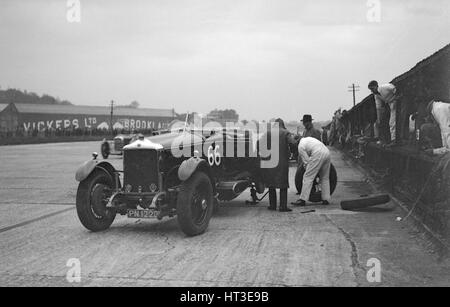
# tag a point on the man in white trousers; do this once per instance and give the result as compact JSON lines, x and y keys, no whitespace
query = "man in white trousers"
{"x":316,"y":157}
{"x":385,"y":96}
{"x":440,"y":112}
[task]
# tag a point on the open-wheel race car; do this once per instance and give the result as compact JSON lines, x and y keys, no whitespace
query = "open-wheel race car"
{"x":158,"y":181}
{"x":115,"y":146}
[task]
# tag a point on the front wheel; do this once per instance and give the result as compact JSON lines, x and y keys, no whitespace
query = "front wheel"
{"x":195,"y":204}
{"x":92,"y":197}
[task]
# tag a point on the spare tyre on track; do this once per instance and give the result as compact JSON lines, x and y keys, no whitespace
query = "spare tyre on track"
{"x":315,"y":195}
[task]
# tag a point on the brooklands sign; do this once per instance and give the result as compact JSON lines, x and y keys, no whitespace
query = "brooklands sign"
{"x":54,"y":122}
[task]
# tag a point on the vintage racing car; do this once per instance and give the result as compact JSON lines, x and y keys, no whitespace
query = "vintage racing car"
{"x":156,"y":183}
{"x":115,"y":146}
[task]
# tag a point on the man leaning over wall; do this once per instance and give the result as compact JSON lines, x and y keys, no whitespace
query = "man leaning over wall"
{"x":440,"y":113}
{"x":385,"y":97}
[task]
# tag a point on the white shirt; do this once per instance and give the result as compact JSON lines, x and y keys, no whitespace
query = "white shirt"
{"x":309,"y":146}
{"x":441,"y":113}
{"x":386,"y":95}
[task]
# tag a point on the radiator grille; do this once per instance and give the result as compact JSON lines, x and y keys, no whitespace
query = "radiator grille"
{"x":141,"y":169}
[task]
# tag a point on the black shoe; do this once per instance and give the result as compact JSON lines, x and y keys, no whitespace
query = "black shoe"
{"x":272,"y":208}
{"x":325,"y":203}
{"x":299,"y":203}
{"x":285,"y":210}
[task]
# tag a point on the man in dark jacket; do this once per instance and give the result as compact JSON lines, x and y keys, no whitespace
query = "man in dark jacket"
{"x":278,"y":176}
{"x":310,"y":131}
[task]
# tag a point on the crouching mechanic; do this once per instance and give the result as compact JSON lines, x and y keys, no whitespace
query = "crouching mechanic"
{"x":316,"y":158}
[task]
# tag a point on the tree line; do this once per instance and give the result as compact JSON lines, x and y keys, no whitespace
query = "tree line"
{"x":18,"y":96}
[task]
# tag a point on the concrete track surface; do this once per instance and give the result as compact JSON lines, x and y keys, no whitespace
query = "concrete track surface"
{"x":243,"y":246}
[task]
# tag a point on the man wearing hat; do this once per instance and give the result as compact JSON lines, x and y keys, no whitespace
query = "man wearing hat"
{"x":310,"y":131}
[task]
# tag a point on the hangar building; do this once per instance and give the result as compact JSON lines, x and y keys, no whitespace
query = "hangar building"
{"x":40,"y":117}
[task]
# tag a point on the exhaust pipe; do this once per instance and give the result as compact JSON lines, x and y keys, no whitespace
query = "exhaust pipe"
{"x":229,"y":190}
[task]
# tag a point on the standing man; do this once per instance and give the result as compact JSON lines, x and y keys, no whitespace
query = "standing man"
{"x":316,"y":156}
{"x":310,"y":131}
{"x":440,"y":112}
{"x":278,"y":177}
{"x":385,"y":96}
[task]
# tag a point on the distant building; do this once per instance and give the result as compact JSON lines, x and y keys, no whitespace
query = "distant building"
{"x":41,"y":117}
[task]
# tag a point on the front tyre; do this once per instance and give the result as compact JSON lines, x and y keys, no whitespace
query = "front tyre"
{"x":195,"y":204}
{"x":92,"y":196}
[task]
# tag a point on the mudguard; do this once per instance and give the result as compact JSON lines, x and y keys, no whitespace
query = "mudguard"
{"x":188,"y":167}
{"x":88,"y":167}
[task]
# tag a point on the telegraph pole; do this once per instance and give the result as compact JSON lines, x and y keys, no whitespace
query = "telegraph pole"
{"x":354,"y":88}
{"x":111,"y":118}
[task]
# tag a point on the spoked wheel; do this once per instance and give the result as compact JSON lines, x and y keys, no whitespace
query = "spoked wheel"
{"x":92,"y":197}
{"x":195,"y":204}
{"x":199,"y":207}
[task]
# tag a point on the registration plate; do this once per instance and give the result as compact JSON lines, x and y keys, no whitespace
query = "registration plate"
{"x":142,"y":214}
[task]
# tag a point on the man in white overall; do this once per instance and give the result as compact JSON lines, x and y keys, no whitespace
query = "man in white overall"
{"x":316,"y":156}
{"x":440,"y":112}
{"x":385,"y":95}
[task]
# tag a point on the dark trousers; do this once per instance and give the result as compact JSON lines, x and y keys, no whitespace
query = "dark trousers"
{"x":273,"y":198}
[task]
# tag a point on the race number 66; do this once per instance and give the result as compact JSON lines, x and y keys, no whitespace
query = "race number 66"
{"x":214,"y":155}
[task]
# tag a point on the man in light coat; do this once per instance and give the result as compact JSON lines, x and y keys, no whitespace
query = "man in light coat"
{"x":385,"y":95}
{"x":316,"y":156}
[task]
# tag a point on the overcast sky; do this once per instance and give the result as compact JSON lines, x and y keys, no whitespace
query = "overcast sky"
{"x":277,"y":58}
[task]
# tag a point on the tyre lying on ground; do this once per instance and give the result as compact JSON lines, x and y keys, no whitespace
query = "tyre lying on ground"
{"x":365,"y":202}
{"x":315,"y":195}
